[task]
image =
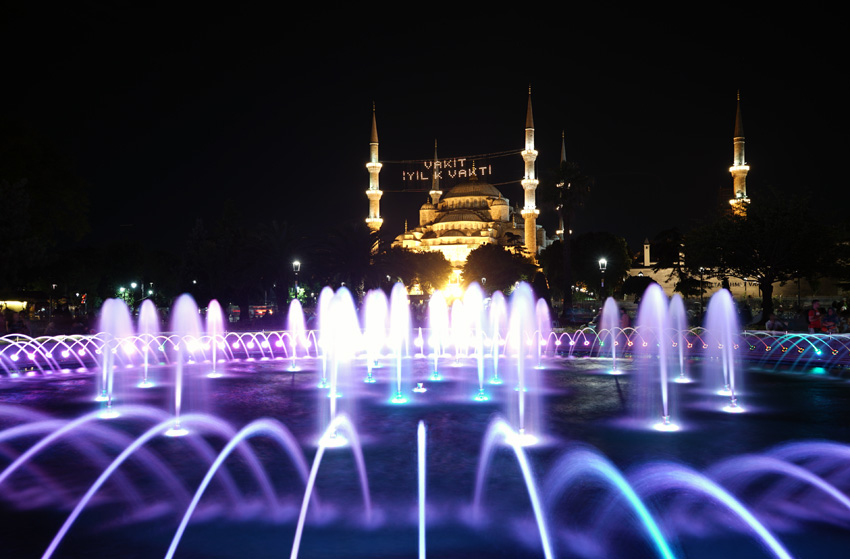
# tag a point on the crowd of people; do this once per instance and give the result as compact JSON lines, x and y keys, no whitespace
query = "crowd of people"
{"x":61,"y":322}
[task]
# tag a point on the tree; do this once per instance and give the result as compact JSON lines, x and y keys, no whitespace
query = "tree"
{"x":46,"y":204}
{"x":589,"y":248}
{"x":772,"y":243}
{"x":567,"y":190}
{"x":501,"y":267}
{"x":346,"y":255}
{"x":585,"y":253}
{"x":226,"y":263}
{"x":430,"y":270}
{"x":636,"y":285}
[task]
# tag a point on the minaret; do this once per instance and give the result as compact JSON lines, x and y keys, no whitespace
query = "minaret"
{"x":739,"y":168}
{"x":374,"y":193}
{"x":560,"y":231}
{"x":435,"y":181}
{"x":529,"y":184}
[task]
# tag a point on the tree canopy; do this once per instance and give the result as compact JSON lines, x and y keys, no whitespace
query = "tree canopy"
{"x":567,"y":189}
{"x":779,"y":239}
{"x":47,"y":204}
{"x":497,"y":268}
{"x":585,"y":252}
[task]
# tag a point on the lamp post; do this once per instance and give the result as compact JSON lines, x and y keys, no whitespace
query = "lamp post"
{"x":296,"y":267}
{"x":701,"y":271}
{"x":603,"y":264}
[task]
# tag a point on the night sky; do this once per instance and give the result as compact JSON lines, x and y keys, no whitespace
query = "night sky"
{"x":173,"y":114}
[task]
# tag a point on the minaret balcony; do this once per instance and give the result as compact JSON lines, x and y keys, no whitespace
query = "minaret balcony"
{"x":739,"y":168}
{"x":374,"y":167}
{"x":529,"y":154}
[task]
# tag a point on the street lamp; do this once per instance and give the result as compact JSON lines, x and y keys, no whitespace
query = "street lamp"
{"x":701,"y":307}
{"x":296,"y":267}
{"x":603,"y":264}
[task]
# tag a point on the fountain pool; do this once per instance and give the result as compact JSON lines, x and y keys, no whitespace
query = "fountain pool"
{"x":441,"y":475}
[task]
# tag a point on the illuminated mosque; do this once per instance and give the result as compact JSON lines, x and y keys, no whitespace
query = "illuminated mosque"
{"x":471,"y":213}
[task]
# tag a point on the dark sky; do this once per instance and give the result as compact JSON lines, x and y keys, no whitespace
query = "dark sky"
{"x":172,"y":113}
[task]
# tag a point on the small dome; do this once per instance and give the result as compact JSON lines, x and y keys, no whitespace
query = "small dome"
{"x":460,"y":216}
{"x":500,"y":202}
{"x":428,"y":206}
{"x":473,"y":187}
{"x":429,"y":235}
{"x":453,"y":233}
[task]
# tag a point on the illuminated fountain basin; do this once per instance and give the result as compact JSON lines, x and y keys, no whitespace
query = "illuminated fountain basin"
{"x":588,"y":494}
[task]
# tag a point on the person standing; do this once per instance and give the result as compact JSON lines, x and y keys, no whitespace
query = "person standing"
{"x":814,"y":317}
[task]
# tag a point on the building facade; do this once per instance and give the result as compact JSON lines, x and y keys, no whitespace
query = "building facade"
{"x":469,"y":214}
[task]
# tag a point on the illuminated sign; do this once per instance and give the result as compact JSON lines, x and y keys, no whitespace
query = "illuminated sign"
{"x":457,"y":168}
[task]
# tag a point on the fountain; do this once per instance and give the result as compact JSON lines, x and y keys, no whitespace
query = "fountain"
{"x":721,"y":320}
{"x":609,"y":326}
{"x":215,"y":335}
{"x":286,"y":450}
{"x":148,"y":331}
{"x":678,"y":320}
{"x":655,"y":347}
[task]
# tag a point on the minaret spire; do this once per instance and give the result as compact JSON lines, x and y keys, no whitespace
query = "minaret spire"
{"x":560,"y":231}
{"x":374,"y":193}
{"x":739,"y":168}
{"x":435,"y":180}
{"x":529,"y":184}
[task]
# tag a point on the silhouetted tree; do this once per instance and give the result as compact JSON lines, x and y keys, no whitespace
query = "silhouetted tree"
{"x":779,"y":239}
{"x":585,"y":253}
{"x":567,"y":190}
{"x":587,"y":250}
{"x":45,"y":203}
{"x":430,"y":270}
{"x":636,"y":285}
{"x":502,"y":268}
{"x":345,"y":255}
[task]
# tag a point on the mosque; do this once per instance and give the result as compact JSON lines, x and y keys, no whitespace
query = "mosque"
{"x":471,"y":213}
{"x":739,"y":204}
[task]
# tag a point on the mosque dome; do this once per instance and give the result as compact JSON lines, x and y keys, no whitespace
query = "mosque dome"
{"x":453,"y":233}
{"x":473,"y":187}
{"x":460,"y":216}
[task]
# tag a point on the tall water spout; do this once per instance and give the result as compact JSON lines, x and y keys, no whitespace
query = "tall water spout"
{"x":679,"y":325}
{"x":459,"y":330}
{"x":608,"y":329}
{"x":325,"y":326}
{"x":438,"y":321}
{"x":375,"y":318}
{"x":473,"y":305}
{"x":523,"y":409}
{"x":721,"y":320}
{"x":498,"y":328}
{"x":544,"y":328}
{"x":297,"y":330}
{"x":399,"y":335}
{"x":652,"y":323}
{"x":186,"y":325}
{"x":343,"y":339}
{"x":215,"y":333}
{"x":148,"y":330}
{"x":116,"y":325}
{"x":420,"y":432}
